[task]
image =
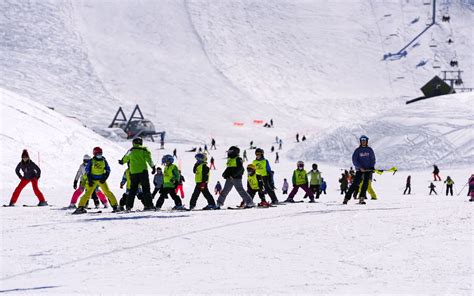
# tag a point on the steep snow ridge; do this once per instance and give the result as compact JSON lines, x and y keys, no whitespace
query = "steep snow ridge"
{"x":433,"y":131}
{"x":53,"y":141}
{"x":42,"y":57}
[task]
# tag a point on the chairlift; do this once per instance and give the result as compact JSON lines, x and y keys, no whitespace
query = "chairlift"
{"x":436,"y":62}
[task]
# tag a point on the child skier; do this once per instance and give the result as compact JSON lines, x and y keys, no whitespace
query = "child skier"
{"x":97,"y":170}
{"x":127,"y":181}
{"x":201,"y":177}
{"x":436,"y":173}
{"x":31,"y":173}
{"x":408,"y":186}
{"x":157,"y":181}
{"x":284,"y":188}
{"x":265,"y":172}
{"x":218,"y":188}
{"x":344,"y":183}
{"x":179,"y":187}
{"x":324,"y":185}
{"x":315,"y":181}
{"x":170,"y":180}
{"x":432,"y":188}
{"x":255,"y":185}
{"x":81,"y":177}
{"x":449,"y":185}
{"x":300,"y":180}
{"x":233,"y":178}
{"x":471,"y":187}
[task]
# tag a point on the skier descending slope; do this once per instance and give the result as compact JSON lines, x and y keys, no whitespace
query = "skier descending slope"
{"x":363,"y":159}
{"x":233,"y":178}
{"x":139,"y":158}
{"x":300,"y":180}
{"x":97,"y":171}
{"x":265,"y":172}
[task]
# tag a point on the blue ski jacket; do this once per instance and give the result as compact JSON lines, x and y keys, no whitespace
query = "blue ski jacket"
{"x":363,"y":158}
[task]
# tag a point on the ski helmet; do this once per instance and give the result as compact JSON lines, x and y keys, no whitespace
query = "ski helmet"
{"x":315,"y":166}
{"x":251,"y":167}
{"x":138,"y":141}
{"x":96,"y":150}
{"x":364,"y":138}
{"x":300,"y":164}
{"x":259,"y":151}
{"x":201,"y":157}
{"x":86,"y":157}
{"x":233,"y":151}
{"x":167,"y":159}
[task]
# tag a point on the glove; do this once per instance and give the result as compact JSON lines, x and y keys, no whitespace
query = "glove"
{"x":102,"y":181}
{"x":90,"y":182}
{"x":120,"y":161}
{"x":75,"y":184}
{"x":153,"y":170}
{"x":121,"y":186}
{"x":202,"y":185}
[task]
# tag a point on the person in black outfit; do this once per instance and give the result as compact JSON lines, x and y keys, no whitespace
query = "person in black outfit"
{"x":408,"y":186}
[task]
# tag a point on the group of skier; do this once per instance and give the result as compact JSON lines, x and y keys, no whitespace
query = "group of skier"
{"x":92,"y":175}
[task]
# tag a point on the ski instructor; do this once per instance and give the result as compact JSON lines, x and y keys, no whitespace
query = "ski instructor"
{"x":363,"y":159}
{"x":139,"y":158}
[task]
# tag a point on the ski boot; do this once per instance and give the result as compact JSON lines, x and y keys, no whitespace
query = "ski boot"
{"x":72,"y":206}
{"x":116,"y":209}
{"x":249,"y":205}
{"x":362,"y":202}
{"x":149,"y":208}
{"x":43,"y":204}
{"x":263,"y":204}
{"x":79,"y":210}
{"x":290,"y":201}
{"x":312,"y":201}
{"x":179,"y":208}
{"x":208,"y":207}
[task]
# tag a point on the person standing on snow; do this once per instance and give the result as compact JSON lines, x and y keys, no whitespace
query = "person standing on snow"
{"x":201,"y":177}
{"x":170,"y":180}
{"x":323,"y":186}
{"x":408,"y":186}
{"x":233,"y":178}
{"x":436,"y":173}
{"x":300,"y":180}
{"x":284,"y":188}
{"x":363,"y":159}
{"x":158,"y":182}
{"x":255,"y":185}
{"x":432,"y":188}
{"x":81,"y":177}
{"x":218,"y":188}
{"x":449,"y":185}
{"x":213,"y":144}
{"x":315,"y":181}
{"x":139,"y":158}
{"x":265,"y":172}
{"x":31,"y":173}
{"x":179,"y":187}
{"x":343,"y":181}
{"x":126,"y":180}
{"x":212,"y":166}
{"x":98,"y":171}
{"x":470,"y":192}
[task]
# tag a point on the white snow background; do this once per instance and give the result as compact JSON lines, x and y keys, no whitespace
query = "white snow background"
{"x":198,"y":67}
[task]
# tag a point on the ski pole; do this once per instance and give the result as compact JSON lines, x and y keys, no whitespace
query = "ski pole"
{"x":462,"y":189}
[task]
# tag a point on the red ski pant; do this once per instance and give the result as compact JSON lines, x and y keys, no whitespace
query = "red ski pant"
{"x":23,"y":183}
{"x":179,"y":188}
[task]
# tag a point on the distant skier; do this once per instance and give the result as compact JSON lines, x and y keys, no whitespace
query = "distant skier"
{"x":303,"y":138}
{"x":284,"y":188}
{"x":138,"y":158}
{"x":436,"y":173}
{"x":218,"y":188}
{"x":323,"y":186}
{"x":201,"y":177}
{"x":175,"y":153}
{"x":315,"y":181}
{"x":205,"y":148}
{"x":213,"y":144}
{"x":297,"y":138}
{"x":98,"y":171}
{"x":271,"y":122}
{"x":251,"y":145}
{"x":432,"y":188}
{"x":244,"y":156}
{"x":471,"y":187}
{"x":264,"y":170}
{"x":31,"y":173}
{"x":280,"y":144}
{"x":343,"y":183}
{"x":272,"y":149}
{"x":408,"y":186}
{"x":276,"y":139}
{"x":449,"y":185}
{"x":233,"y":178}
{"x":363,"y":159}
{"x":179,"y":187}
{"x":158,"y":182}
{"x":213,"y":166}
{"x":170,"y":181}
{"x":300,"y":180}
{"x":277,"y":158}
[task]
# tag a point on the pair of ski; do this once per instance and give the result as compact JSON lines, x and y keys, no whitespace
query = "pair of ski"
{"x":245,"y":208}
{"x":27,"y":206}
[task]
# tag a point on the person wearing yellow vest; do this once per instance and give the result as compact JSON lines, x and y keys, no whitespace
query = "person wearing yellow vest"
{"x":201,"y":177}
{"x":139,"y":158}
{"x":170,"y":181}
{"x":449,"y":185}
{"x":233,"y":178}
{"x":265,"y":172}
{"x":300,"y":180}
{"x":315,"y":181}
{"x":97,"y":171}
{"x":255,"y":185}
